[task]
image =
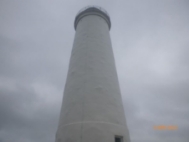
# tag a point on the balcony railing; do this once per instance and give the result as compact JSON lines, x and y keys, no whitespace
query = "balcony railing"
{"x":91,"y":6}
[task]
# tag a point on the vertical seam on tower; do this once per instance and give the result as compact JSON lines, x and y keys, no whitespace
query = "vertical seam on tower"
{"x":84,"y":90}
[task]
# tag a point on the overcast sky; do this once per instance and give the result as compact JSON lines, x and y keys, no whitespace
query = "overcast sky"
{"x":150,"y":40}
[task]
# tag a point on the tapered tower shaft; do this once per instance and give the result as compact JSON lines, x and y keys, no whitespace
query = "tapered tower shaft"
{"x":92,"y":109}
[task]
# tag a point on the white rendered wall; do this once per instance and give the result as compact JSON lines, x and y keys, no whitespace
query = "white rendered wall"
{"x":92,"y":109}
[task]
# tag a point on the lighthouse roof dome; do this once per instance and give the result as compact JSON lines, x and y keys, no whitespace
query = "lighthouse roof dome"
{"x":92,"y":10}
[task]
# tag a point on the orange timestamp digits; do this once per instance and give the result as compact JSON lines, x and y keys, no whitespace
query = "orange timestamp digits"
{"x":164,"y":127}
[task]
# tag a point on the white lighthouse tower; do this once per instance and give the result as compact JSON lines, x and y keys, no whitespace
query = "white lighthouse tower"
{"x":92,"y":108}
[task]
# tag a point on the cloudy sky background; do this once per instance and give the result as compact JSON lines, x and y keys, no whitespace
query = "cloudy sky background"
{"x":150,"y":40}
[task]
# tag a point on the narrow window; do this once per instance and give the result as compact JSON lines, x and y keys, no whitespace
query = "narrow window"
{"x":118,"y":139}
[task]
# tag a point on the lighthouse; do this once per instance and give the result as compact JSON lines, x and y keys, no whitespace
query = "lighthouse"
{"x":92,"y":108}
